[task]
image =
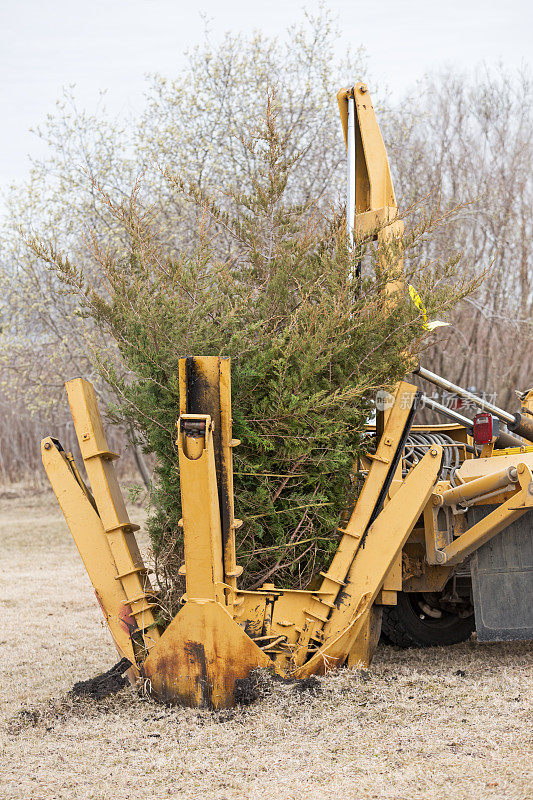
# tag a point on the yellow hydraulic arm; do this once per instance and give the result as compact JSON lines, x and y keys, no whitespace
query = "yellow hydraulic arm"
{"x":89,"y":535}
{"x":101,"y":528}
{"x":384,"y":464}
{"x":380,"y":546}
{"x":371,"y":202}
{"x":442,"y":548}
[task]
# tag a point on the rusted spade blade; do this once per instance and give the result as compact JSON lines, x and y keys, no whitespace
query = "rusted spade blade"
{"x":200,"y":656}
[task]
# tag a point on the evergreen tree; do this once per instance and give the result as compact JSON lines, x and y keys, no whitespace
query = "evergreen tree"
{"x":272,"y":284}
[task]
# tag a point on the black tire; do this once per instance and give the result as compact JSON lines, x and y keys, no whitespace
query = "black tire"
{"x":406,"y":626}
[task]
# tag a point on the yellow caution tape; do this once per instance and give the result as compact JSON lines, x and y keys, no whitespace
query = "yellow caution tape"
{"x":417,"y":300}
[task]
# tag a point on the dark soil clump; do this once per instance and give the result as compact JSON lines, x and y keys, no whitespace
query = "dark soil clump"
{"x":248,"y":690}
{"x":260,"y":683}
{"x":311,"y":684}
{"x":103,"y":685}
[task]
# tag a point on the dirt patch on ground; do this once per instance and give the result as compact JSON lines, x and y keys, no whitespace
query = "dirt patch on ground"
{"x":260,"y":683}
{"x":432,"y":724}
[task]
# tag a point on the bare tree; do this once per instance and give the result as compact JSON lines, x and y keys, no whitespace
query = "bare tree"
{"x":468,"y":139}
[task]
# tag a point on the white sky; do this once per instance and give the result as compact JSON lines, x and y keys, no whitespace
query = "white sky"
{"x":112,"y":44}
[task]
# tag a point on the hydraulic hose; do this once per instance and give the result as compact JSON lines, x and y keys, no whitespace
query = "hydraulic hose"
{"x":520,"y":424}
{"x":504,"y":439}
{"x":417,"y":445}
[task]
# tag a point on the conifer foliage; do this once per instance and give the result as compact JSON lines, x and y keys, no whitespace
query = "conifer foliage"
{"x":273,"y":285}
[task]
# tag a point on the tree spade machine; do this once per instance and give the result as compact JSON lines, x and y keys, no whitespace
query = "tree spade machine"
{"x":438,"y":540}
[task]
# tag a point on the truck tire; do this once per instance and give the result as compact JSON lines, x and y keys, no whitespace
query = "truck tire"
{"x":406,"y":625}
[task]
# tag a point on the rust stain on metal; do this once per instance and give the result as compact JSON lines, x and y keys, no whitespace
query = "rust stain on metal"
{"x":126,"y":620}
{"x":196,"y":652}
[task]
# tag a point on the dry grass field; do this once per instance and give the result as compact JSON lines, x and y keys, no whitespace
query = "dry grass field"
{"x":420,"y":725}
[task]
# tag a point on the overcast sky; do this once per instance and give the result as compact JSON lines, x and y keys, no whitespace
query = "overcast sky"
{"x":112,"y":44}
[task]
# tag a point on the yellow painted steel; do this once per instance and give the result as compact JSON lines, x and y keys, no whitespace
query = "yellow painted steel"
{"x":395,"y":521}
{"x":203,"y":651}
{"x":404,"y":532}
{"x":383,"y":541}
{"x":374,"y":192}
{"x":499,"y":519}
{"x":285,"y":617}
{"x":200,"y":656}
{"x":477,"y":488}
{"x":526,"y":400}
{"x":206,"y":380}
{"x":474,"y":468}
{"x":365,"y":645}
{"x":231,"y":569}
{"x":221,"y":633}
{"x":437,"y":532}
{"x":90,"y":538}
{"x":393,"y":582}
{"x":376,"y":210}
{"x":204,"y":569}
{"x":98,"y":460}
{"x":334,"y":580}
